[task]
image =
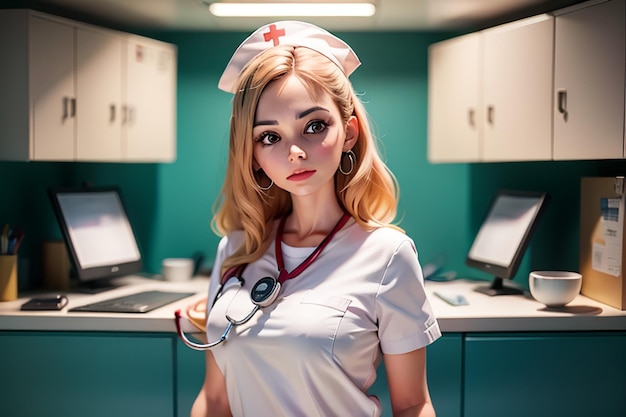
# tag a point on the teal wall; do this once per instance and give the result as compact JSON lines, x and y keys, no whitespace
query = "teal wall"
{"x":441,"y":205}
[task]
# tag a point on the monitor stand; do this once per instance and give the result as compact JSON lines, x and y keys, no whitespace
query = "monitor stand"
{"x":497,"y":288}
{"x":94,"y":287}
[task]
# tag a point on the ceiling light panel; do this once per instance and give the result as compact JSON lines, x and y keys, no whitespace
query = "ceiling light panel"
{"x":250,"y":9}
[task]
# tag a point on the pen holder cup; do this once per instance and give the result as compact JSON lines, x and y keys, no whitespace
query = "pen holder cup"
{"x":8,"y":277}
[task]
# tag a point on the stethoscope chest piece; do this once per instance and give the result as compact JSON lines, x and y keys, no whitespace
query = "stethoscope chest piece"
{"x":265,"y":291}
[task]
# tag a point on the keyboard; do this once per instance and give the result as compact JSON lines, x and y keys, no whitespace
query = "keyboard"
{"x":140,"y":302}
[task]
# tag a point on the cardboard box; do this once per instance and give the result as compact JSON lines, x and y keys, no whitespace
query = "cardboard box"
{"x":602,"y":233}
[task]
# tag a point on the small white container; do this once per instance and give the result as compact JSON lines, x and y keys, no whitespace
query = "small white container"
{"x":554,"y":288}
{"x":177,"y":269}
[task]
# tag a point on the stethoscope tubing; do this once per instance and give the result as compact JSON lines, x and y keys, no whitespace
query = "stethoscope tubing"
{"x":201,"y":346}
{"x":265,"y":290}
{"x":207,"y":346}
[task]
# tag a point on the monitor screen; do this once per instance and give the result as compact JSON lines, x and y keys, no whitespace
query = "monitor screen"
{"x":504,"y":235}
{"x":98,"y":234}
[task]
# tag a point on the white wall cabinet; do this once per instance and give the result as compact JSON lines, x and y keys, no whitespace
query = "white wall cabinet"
{"x":490,"y":94}
{"x":150,"y":101}
{"x":50,"y":103}
{"x":454,"y":109}
{"x":589,"y":78}
{"x":98,"y":95}
{"x":517,"y":90}
{"x":549,"y":87}
{"x":75,"y":92}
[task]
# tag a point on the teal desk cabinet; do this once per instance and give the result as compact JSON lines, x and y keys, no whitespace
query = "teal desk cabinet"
{"x":190,"y":365}
{"x":444,"y":364}
{"x":53,"y":374}
{"x":545,"y":375}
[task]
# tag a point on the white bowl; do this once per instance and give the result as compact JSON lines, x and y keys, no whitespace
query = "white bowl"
{"x":554,"y":288}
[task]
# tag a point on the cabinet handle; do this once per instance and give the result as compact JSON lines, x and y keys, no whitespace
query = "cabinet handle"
{"x":69,"y":107}
{"x":471,"y":117}
{"x":66,"y":103}
{"x":127,"y":115}
{"x":562,"y":103}
{"x":112,"y":113}
{"x":490,"y":111}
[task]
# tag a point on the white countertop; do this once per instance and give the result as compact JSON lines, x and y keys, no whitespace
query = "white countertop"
{"x":159,"y":320}
{"x":518,"y":313}
{"x":514,"y":313}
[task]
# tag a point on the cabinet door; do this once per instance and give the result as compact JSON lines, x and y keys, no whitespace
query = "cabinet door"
{"x":190,"y":367}
{"x":150,"y":102}
{"x":454,"y":117}
{"x":518,"y":63}
{"x":86,"y":374}
{"x":589,"y":82}
{"x":99,"y":90}
{"x":545,"y":375}
{"x":444,"y":370}
{"x":445,"y":374}
{"x":51,"y":71}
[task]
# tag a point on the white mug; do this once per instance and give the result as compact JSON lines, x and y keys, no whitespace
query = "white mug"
{"x":177,"y":269}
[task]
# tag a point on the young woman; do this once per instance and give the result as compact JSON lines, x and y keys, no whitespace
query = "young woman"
{"x":313,"y":281}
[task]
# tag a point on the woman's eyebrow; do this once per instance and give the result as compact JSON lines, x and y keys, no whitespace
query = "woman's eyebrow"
{"x":265,"y":123}
{"x":298,"y":116}
{"x":311,"y":110}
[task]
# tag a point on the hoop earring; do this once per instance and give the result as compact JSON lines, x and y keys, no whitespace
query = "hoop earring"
{"x":352,"y":158}
{"x":267,"y":187}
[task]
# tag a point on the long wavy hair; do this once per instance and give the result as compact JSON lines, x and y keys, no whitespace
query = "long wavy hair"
{"x":369,"y":193}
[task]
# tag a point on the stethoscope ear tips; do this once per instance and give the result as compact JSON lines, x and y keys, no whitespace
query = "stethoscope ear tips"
{"x":265,"y":291}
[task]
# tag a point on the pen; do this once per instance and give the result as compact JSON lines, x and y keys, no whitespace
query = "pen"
{"x":15,"y":240}
{"x":10,"y":240}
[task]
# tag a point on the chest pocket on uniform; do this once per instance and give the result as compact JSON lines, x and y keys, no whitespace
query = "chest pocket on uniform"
{"x":338,"y":303}
{"x":319,"y":317}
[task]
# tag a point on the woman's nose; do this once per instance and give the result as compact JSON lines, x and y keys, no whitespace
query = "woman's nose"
{"x":296,"y":152}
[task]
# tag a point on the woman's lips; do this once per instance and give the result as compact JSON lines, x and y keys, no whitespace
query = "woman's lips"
{"x":300,"y":176}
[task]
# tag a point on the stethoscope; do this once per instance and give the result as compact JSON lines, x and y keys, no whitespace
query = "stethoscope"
{"x":266,"y":290}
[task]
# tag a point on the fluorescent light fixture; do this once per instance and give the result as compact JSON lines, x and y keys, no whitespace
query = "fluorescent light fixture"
{"x":292,"y":9}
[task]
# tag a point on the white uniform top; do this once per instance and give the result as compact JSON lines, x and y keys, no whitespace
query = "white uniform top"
{"x":314,"y":352}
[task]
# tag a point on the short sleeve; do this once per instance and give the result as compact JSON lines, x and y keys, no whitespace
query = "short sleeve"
{"x":406,"y":321}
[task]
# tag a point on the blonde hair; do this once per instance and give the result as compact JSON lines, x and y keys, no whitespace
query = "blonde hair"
{"x":369,"y":193}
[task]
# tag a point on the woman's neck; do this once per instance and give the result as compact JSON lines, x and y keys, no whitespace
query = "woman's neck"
{"x":311,"y":220}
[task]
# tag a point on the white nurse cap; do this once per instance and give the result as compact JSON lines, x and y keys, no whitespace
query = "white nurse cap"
{"x":292,"y":33}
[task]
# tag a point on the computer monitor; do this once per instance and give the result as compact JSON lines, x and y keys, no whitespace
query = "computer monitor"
{"x":100,"y":240}
{"x":504,"y":235}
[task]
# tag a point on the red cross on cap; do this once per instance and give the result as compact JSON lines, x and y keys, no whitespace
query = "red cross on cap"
{"x":273,"y":34}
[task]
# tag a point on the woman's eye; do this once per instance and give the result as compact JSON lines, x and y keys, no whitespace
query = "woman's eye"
{"x":268,"y":138}
{"x":316,"y":126}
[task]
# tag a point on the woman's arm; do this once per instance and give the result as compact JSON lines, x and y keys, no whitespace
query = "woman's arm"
{"x":212,"y":401}
{"x":408,"y":388}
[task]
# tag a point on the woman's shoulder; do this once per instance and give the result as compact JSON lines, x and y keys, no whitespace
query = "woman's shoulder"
{"x":385,"y":237}
{"x":390,"y":232}
{"x":231,"y":242}
{"x":387,"y":232}
{"x":234,"y":239}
